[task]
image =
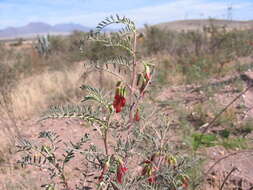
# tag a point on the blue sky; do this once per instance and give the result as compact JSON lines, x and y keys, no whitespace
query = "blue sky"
{"x":90,"y":12}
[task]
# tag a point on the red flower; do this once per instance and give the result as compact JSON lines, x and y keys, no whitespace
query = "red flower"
{"x":118,"y":108}
{"x":121,"y":171}
{"x":152,"y":179}
{"x":117,"y":103}
{"x":123,"y":101}
{"x":119,"y":99}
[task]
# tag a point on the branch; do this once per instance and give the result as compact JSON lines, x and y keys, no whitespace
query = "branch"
{"x":226,"y":178}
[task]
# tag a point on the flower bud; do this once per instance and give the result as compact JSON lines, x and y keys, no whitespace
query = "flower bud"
{"x":139,"y":77}
{"x":171,"y":160}
{"x":121,"y":171}
{"x":137,"y":115}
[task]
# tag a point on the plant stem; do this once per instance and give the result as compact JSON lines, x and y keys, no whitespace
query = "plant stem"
{"x":105,"y":141}
{"x":64,"y":181}
{"x":131,"y":114}
{"x":106,"y":133}
{"x":59,"y":169}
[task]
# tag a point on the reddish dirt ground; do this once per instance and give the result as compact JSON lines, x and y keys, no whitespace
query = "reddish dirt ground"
{"x":74,"y":129}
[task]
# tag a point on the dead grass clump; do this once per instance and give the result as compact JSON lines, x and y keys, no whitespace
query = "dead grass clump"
{"x":35,"y":93}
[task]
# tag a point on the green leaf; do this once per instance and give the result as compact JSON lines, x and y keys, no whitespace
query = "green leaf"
{"x":129,"y":25}
{"x":95,"y":95}
{"x":203,"y":140}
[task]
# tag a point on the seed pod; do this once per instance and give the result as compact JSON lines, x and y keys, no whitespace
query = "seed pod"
{"x":142,"y":89}
{"x":121,"y":91}
{"x":124,"y":91}
{"x":137,"y":115}
{"x":147,"y":72}
{"x":139,"y":77}
{"x":105,"y":169}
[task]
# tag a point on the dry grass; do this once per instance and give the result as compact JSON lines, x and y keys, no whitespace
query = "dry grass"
{"x":34,"y":94}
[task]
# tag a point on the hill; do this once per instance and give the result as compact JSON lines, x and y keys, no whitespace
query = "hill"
{"x":199,"y":24}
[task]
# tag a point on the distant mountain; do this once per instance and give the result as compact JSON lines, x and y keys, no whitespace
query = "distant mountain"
{"x":39,"y":28}
{"x":36,"y":28}
{"x":70,"y":27}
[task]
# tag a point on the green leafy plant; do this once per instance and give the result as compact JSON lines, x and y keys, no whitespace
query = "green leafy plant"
{"x":234,"y":143}
{"x":138,"y":133}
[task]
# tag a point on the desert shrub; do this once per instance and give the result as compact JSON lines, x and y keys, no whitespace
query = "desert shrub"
{"x":69,"y":46}
{"x":157,"y":40}
{"x":240,"y":42}
{"x":58,"y":44}
{"x":163,"y":71}
{"x":76,"y":39}
{"x":134,"y":151}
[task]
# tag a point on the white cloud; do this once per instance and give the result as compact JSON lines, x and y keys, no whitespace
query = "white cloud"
{"x":175,"y":10}
{"x":178,"y":10}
